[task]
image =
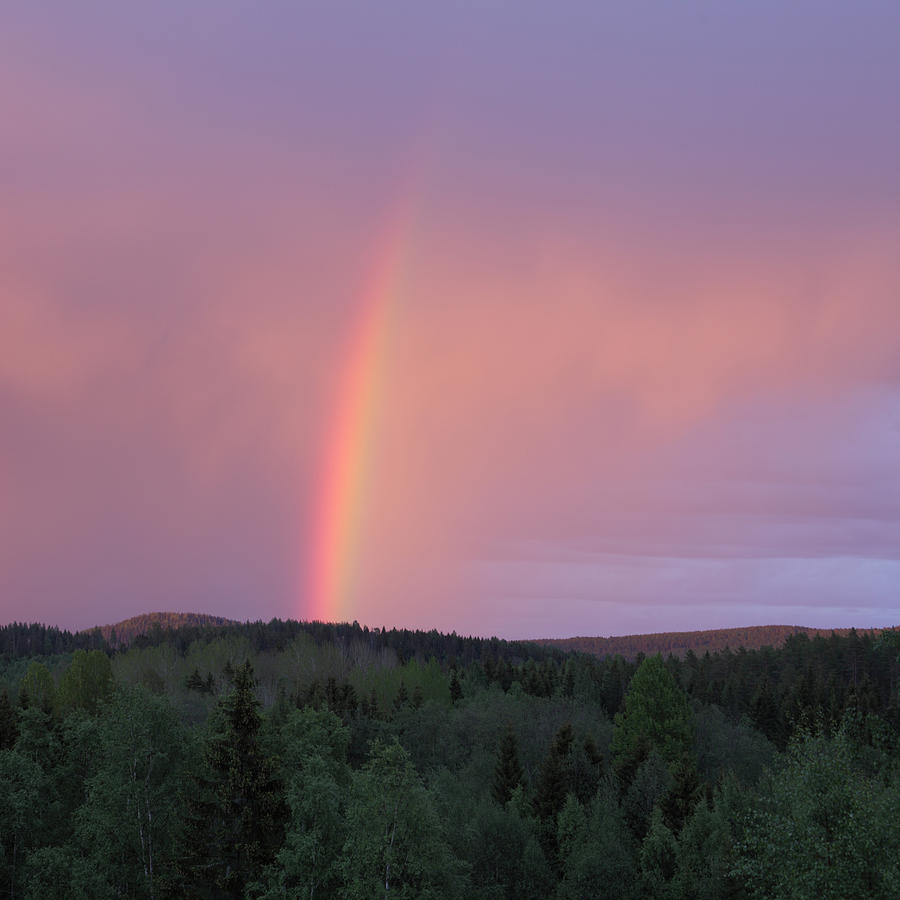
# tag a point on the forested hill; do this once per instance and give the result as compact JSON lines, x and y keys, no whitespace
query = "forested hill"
{"x":123,"y":633}
{"x":679,"y":642}
{"x":181,"y":631}
{"x":376,"y":762}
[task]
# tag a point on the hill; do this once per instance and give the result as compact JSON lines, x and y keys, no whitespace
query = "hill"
{"x":679,"y":642}
{"x":124,"y":632}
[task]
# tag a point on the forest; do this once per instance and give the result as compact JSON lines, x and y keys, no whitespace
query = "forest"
{"x":306,"y":760}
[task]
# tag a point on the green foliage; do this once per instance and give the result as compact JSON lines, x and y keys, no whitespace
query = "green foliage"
{"x":651,"y":784}
{"x":821,"y":828}
{"x":706,"y":855}
{"x":394,"y":842}
{"x":236,"y":819}
{"x":38,"y":687}
{"x":570,"y":822}
{"x":602,"y":856}
{"x":506,"y":858}
{"x":129,"y":826}
{"x":21,"y":790}
{"x":86,"y":683}
{"x":308,"y":864}
{"x":404,"y":801}
{"x":9,"y":726}
{"x":508,"y":771}
{"x":658,"y":857}
{"x":656,"y":716}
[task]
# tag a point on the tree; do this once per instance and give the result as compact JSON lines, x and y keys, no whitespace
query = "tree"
{"x":129,"y":825}
{"x":602,"y":854}
{"x":21,"y":790}
{"x":507,"y":860}
{"x":508,"y":770}
{"x":554,"y":780}
{"x":658,"y":858}
{"x":656,"y":715}
{"x":820,"y":827}
{"x":308,"y":863}
{"x":87,"y":682}
{"x":9,"y":728}
{"x":394,"y":843}
{"x":38,"y":687}
{"x":237,"y":816}
{"x":455,"y":688}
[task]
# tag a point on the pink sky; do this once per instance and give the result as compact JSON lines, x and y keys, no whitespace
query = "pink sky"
{"x":643,"y":371}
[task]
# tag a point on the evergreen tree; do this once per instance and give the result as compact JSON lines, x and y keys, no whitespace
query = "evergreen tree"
{"x":554,"y":779}
{"x":455,"y":688}
{"x":658,"y":858}
{"x":508,"y":771}
{"x":656,"y":716}
{"x":9,"y":729}
{"x":678,"y":804}
{"x":237,"y":817}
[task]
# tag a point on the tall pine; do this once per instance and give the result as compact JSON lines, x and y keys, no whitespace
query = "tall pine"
{"x":508,"y":771}
{"x":237,"y":817}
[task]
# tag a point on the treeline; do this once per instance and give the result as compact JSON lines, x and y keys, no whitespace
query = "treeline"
{"x":679,"y":643}
{"x":20,"y":641}
{"x":182,"y":630}
{"x":334,"y":761}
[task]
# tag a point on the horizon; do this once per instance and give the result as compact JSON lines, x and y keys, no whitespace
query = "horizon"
{"x":575,"y":321}
{"x":376,"y":628}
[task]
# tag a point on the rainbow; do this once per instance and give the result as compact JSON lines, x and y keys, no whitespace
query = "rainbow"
{"x":350,"y":447}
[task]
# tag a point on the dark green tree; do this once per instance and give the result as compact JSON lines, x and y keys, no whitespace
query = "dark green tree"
{"x":554,"y":779}
{"x":236,"y":820}
{"x":508,"y":770}
{"x":86,"y":683}
{"x":129,"y":826}
{"x":195,"y":681}
{"x":656,"y":716}
{"x":395,"y":846}
{"x":455,"y":688}
{"x":9,"y":728}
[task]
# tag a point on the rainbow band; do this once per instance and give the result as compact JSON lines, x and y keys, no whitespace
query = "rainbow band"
{"x":350,"y":450}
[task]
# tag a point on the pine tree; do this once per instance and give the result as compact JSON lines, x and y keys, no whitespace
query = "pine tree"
{"x":237,"y":819}
{"x":402,"y":697}
{"x":554,"y":780}
{"x":678,"y":805}
{"x":194,"y":681}
{"x":508,"y":771}
{"x":455,"y":688}
{"x":9,"y":729}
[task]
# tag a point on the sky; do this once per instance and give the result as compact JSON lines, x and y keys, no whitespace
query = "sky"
{"x":524,"y":319}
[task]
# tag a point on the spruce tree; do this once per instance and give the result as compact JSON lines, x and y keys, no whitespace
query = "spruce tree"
{"x":554,"y":780}
{"x":402,"y":697}
{"x":237,"y":818}
{"x":455,"y":688}
{"x":9,"y":729}
{"x":194,"y":681}
{"x":508,"y":771}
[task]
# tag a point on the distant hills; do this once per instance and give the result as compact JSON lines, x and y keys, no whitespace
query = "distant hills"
{"x":629,"y":646}
{"x":124,"y":632}
{"x":679,"y":642}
